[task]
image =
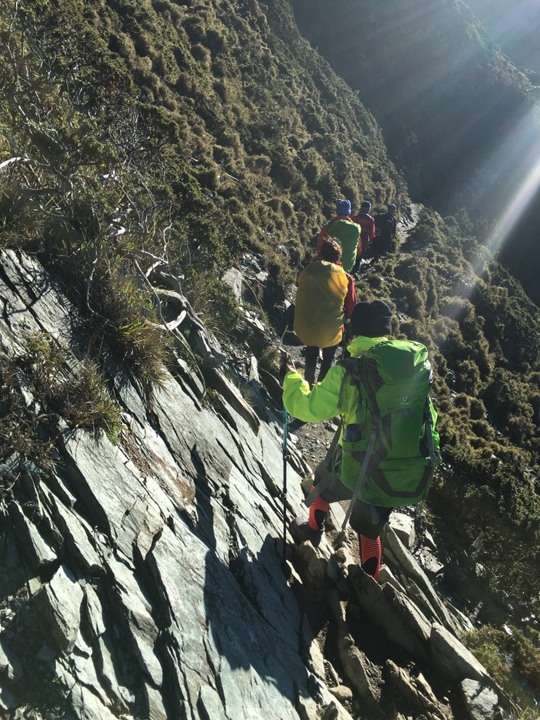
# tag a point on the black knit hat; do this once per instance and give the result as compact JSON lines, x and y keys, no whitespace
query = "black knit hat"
{"x":371,"y":319}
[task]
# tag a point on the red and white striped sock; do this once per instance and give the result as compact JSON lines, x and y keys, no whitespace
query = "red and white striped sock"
{"x":317,"y":513}
{"x":370,"y":555}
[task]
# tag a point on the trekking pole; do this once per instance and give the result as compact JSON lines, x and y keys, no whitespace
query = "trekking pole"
{"x":285,"y":358}
{"x":285,"y":456}
{"x":282,"y":338}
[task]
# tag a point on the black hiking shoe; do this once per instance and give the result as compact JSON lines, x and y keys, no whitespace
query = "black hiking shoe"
{"x":301,"y":532}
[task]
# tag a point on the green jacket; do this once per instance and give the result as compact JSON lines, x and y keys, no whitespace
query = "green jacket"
{"x":347,"y":233}
{"x":337,"y":395}
{"x":322,"y":402}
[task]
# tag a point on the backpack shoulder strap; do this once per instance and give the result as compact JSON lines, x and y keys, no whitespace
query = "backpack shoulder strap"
{"x":350,"y":366}
{"x":434,"y":456}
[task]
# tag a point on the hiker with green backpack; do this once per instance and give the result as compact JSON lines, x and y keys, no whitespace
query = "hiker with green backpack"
{"x":386,"y":448}
{"x":345,"y":231}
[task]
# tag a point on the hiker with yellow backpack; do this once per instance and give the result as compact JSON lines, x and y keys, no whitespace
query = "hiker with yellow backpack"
{"x":325,"y":297}
{"x":386,"y":447}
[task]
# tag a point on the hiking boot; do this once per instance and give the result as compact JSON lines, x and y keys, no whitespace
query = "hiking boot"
{"x":301,"y":532}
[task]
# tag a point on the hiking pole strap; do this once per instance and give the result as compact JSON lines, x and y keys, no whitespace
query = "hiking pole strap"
{"x":361,"y":475}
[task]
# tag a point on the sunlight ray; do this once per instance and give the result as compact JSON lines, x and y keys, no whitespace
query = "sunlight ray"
{"x":519,"y":160}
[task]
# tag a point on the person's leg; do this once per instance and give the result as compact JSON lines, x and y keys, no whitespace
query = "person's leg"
{"x":317,"y":513}
{"x":313,"y":528}
{"x":312,"y":355}
{"x":328,"y":355}
{"x":369,"y":522}
{"x":375,"y":247}
{"x":356,"y":266}
{"x":370,"y":555}
{"x":386,"y":245}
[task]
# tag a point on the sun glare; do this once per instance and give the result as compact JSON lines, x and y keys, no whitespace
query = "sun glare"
{"x":517,"y":168}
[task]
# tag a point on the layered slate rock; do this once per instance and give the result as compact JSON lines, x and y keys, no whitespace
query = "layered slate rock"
{"x":149,"y":577}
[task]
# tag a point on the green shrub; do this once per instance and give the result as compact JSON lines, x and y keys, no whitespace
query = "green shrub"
{"x":214,"y":301}
{"x":75,"y":390}
{"x":130,"y":324}
{"x":508,"y":403}
{"x":512,"y":658}
{"x":202,"y":55}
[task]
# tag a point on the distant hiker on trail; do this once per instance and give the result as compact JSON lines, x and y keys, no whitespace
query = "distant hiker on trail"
{"x":342,"y":229}
{"x":326,"y":294}
{"x":367,"y":223}
{"x":386,"y":226}
{"x":386,"y":448}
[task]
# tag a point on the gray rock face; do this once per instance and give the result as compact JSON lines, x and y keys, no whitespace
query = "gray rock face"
{"x":167,"y":549}
{"x":58,"y":602}
{"x":452,"y":657}
{"x":419,"y":588}
{"x":145,"y":579}
{"x":481,"y":700}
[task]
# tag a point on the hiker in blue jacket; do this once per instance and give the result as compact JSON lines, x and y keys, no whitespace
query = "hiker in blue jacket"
{"x":371,"y":323}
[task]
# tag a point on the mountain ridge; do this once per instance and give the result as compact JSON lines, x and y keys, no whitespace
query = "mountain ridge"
{"x":148,"y":147}
{"x":144,"y":577}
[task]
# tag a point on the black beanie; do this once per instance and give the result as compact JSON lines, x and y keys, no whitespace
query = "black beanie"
{"x":371,"y":319}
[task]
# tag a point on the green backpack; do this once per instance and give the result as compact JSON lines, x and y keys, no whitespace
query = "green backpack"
{"x":389,"y":457}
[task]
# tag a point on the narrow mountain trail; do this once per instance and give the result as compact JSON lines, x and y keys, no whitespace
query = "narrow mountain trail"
{"x":313,"y":439}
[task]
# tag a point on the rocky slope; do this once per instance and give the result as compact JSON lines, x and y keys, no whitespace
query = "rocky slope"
{"x":144,"y":579}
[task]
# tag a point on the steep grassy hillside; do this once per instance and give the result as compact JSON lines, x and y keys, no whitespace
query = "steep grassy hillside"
{"x":191,"y":133}
{"x":459,"y":118}
{"x":136,"y":132}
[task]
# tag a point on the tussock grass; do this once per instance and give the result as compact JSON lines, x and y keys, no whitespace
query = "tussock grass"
{"x":44,"y":385}
{"x":511,"y":656}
